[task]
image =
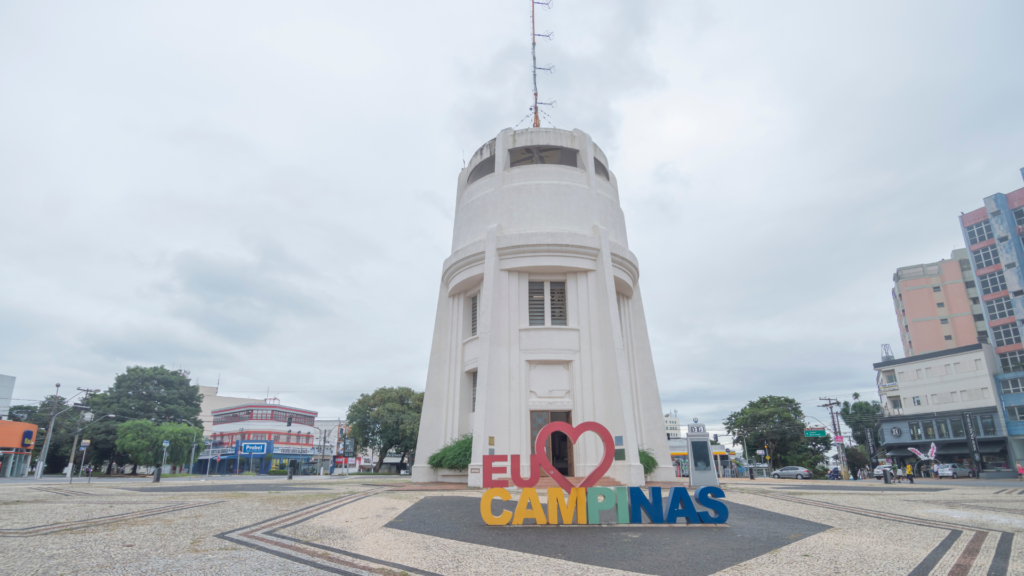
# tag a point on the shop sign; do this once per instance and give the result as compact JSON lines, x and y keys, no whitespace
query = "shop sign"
{"x":586,"y":501}
{"x":972,"y":440}
{"x":254,"y":447}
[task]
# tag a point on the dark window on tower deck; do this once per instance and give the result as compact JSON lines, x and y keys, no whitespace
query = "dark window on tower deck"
{"x":1018,"y":216}
{"x":526,"y":155}
{"x":601,"y":170}
{"x":536,"y":303}
{"x":485,"y":167}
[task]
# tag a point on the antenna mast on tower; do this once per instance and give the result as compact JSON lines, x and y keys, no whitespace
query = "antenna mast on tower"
{"x":549,"y":69}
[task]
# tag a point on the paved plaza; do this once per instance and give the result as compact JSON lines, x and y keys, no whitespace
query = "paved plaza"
{"x":390,"y":526}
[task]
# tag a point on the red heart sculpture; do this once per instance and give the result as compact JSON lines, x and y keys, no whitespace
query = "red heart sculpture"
{"x":574,"y":432}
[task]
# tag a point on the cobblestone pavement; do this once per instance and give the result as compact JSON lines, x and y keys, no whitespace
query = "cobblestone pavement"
{"x":355,"y":526}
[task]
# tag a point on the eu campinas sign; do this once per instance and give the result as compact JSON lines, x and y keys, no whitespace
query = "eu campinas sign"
{"x":585,"y":502}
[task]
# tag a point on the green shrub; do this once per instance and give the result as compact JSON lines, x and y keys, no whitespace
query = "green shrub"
{"x":648,"y":461}
{"x":278,"y":472}
{"x":454,"y":455}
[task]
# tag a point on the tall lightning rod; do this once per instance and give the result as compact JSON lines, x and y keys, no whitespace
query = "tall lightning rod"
{"x":533,"y":50}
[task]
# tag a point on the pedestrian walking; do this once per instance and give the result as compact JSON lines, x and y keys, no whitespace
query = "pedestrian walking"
{"x":935,"y":471}
{"x":900,"y":474}
{"x":1020,"y":472}
{"x":910,"y":473}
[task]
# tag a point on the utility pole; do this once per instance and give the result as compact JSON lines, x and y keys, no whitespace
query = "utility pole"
{"x":41,"y":461}
{"x":78,"y":430}
{"x":841,"y":448}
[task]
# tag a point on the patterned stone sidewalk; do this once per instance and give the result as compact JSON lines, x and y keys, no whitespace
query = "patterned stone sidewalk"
{"x":392,"y":527}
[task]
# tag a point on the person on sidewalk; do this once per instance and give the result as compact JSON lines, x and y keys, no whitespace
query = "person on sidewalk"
{"x":935,"y":471}
{"x":900,"y":474}
{"x":910,"y":473}
{"x":1020,"y":472}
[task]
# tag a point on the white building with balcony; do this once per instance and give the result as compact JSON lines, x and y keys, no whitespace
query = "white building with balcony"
{"x":539,"y":315}
{"x":259,"y":437}
{"x":944,"y":398}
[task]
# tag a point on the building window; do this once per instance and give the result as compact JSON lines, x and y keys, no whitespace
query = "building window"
{"x":472,"y":314}
{"x":1015,"y":413}
{"x":1006,"y":334}
{"x":895,"y":402}
{"x":999,"y":308}
{"x":556,"y":300}
{"x":558,"y":309}
{"x":948,"y":337}
{"x":557,"y":155}
{"x":979,"y":232}
{"x":957,"y":425}
{"x":483,"y":168}
{"x":1013,"y":386}
{"x":601,"y":170}
{"x":473,"y":406}
{"x":536,"y":305}
{"x":890,"y":378}
{"x":988,"y":425}
{"x":1018,"y":216}
{"x":992,"y":283}
{"x":929,"y":430}
{"x":969,"y":284}
{"x":917,"y":400}
{"x":943,"y":428}
{"x":1011,"y":361}
{"x":936,"y":288}
{"x":915,"y":430}
{"x":982,"y":337}
{"x":944,"y":321}
{"x":941,"y":304}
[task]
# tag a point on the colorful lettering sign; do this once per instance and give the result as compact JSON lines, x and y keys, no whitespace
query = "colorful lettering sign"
{"x":583,"y":504}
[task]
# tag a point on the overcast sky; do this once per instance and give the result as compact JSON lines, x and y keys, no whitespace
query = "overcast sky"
{"x":264,"y":191}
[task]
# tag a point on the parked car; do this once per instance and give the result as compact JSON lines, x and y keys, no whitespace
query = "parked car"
{"x":954,"y":471}
{"x":878,"y":471}
{"x":792,"y":472}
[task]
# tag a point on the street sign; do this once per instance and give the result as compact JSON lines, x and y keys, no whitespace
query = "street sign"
{"x":350,"y":447}
{"x":167,"y":443}
{"x":85,"y":442}
{"x":815,"y":433}
{"x":218,"y":457}
{"x":839,"y":438}
{"x":760,"y":452}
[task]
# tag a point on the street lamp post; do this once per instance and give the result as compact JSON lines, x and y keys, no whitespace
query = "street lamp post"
{"x":84,"y":449}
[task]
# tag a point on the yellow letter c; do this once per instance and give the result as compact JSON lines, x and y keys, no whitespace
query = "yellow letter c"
{"x":485,"y":507}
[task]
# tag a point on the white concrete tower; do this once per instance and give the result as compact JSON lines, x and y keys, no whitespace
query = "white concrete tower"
{"x":539,"y":316}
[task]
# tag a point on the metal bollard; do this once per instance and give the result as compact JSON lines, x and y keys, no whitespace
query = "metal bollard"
{"x":885,"y":476}
{"x":156,"y":474}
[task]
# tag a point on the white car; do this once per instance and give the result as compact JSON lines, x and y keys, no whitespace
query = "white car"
{"x":878,"y":471}
{"x":954,"y":471}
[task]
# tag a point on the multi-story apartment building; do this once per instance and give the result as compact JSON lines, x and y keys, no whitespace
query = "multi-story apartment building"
{"x":938,"y":306}
{"x":993,"y":235}
{"x":947,"y":398}
{"x":671,"y":426}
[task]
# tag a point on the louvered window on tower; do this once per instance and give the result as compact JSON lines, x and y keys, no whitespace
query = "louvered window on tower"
{"x":472,"y":314}
{"x":558,"y":313}
{"x":473,"y":409}
{"x":536,"y":305}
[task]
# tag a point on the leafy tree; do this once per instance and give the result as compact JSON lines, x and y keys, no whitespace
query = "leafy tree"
{"x":155,"y":393}
{"x":388,"y":420}
{"x":138,"y":439}
{"x":773,"y":422}
{"x":63,"y":429}
{"x":860,"y":416}
{"x":856,"y":458}
{"x":142,"y":441}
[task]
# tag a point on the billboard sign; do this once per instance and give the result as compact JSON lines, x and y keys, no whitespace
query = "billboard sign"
{"x":254,"y":447}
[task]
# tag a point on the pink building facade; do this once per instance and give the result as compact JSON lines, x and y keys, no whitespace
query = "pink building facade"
{"x":937,"y":305}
